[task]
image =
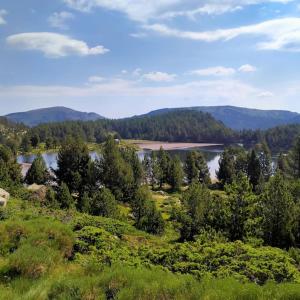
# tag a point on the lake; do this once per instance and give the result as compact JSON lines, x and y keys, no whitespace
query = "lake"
{"x":211,"y":153}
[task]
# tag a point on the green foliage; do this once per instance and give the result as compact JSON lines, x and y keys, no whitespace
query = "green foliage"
{"x":116,"y":174}
{"x":176,"y":174}
{"x":38,"y":172}
{"x":146,"y":216}
{"x":104,"y":204}
{"x":280,"y":213}
{"x":51,"y":199}
{"x":33,"y":247}
{"x":196,"y":168}
{"x":65,"y":199}
{"x":195,"y":200}
{"x":73,"y":165}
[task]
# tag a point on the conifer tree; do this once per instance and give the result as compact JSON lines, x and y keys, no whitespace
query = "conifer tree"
{"x":38,"y":172}
{"x":104,"y":204}
{"x":176,"y":175}
{"x":196,"y":168}
{"x":65,"y":198}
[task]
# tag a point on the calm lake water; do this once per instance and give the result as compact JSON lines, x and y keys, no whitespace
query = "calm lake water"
{"x":212,"y":155}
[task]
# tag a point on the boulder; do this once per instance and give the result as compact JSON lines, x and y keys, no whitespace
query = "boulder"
{"x":3,"y":202}
{"x":38,"y":192}
{"x":4,"y":194}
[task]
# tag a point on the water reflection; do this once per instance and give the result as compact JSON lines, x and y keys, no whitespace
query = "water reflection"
{"x":212,"y":155}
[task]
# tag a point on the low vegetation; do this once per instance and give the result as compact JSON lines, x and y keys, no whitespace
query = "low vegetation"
{"x":116,"y":228}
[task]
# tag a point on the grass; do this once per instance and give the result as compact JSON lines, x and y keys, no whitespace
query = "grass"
{"x":55,"y":254}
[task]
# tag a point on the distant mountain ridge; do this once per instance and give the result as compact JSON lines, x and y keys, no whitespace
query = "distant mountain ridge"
{"x":239,"y":118}
{"x":52,"y":114}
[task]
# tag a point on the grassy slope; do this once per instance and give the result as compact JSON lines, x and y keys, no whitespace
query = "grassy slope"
{"x":113,"y":260}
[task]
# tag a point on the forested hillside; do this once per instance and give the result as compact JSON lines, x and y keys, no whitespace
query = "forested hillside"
{"x":181,"y":126}
{"x":51,"y":114}
{"x":239,"y":118}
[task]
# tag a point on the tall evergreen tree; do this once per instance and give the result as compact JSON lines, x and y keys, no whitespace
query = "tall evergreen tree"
{"x":254,"y":169}
{"x":38,"y":172}
{"x":240,"y":198}
{"x":265,"y":160}
{"x":73,"y":165}
{"x":226,"y":172}
{"x":196,"y":168}
{"x":146,"y":215}
{"x":104,"y":204}
{"x":280,"y":221}
{"x":65,"y":199}
{"x":116,"y":174}
{"x":196,"y":200}
{"x":163,"y":160}
{"x":176,"y":174}
{"x":293,"y":160}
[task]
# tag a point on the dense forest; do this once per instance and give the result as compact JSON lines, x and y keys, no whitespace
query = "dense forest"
{"x":118,"y":228}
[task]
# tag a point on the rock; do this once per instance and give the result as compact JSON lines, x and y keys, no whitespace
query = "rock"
{"x":4,"y":194}
{"x":38,"y":192}
{"x":3,"y":202}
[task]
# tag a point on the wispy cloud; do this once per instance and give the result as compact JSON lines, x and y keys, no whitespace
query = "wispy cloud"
{"x":159,"y":76}
{"x":144,"y":10}
{"x":53,"y":45}
{"x":281,"y":34}
{"x":247,"y":68}
{"x":214,"y":71}
{"x":221,"y":71}
{"x":204,"y":92}
{"x":95,"y":79}
{"x":59,"y":19}
{"x":3,"y":13}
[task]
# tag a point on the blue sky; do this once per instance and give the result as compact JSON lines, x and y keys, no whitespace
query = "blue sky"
{"x":125,"y":57}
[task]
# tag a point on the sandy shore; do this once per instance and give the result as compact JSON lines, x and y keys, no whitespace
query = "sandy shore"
{"x":149,"y":145}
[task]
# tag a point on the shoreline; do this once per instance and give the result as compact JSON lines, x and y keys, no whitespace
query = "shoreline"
{"x":155,"y":145}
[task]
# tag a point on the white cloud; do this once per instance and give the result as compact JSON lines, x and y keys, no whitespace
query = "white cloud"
{"x":265,"y":94}
{"x":214,"y":71}
{"x":247,"y":68}
{"x":143,"y":10}
{"x":96,"y":79}
{"x":137,"y":72}
{"x":159,"y":76}
{"x":280,"y":34}
{"x":53,"y":45}
{"x":3,"y":13}
{"x":59,"y":19}
{"x":122,"y":92}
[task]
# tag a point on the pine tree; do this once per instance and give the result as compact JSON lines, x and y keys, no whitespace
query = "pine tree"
{"x":104,"y":204}
{"x":280,"y":221}
{"x":146,"y":215}
{"x":293,"y":160}
{"x":163,"y":160}
{"x":116,"y":174}
{"x":254,"y":169}
{"x":227,"y":170}
{"x":84,"y":203}
{"x":65,"y":198}
{"x":265,"y":160}
{"x":38,"y":172}
{"x":73,"y":165}
{"x":51,"y":200}
{"x":195,"y":200}
{"x":196,"y":168}
{"x":240,"y":197}
{"x":176,"y":175}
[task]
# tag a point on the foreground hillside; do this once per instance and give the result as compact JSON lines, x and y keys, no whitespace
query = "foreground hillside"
{"x":55,"y":254}
{"x":116,"y":228}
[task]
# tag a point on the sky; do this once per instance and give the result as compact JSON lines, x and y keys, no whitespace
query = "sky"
{"x":121,"y":58}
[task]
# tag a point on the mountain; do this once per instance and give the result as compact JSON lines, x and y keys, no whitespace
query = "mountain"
{"x":52,"y":114}
{"x":239,"y":118}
